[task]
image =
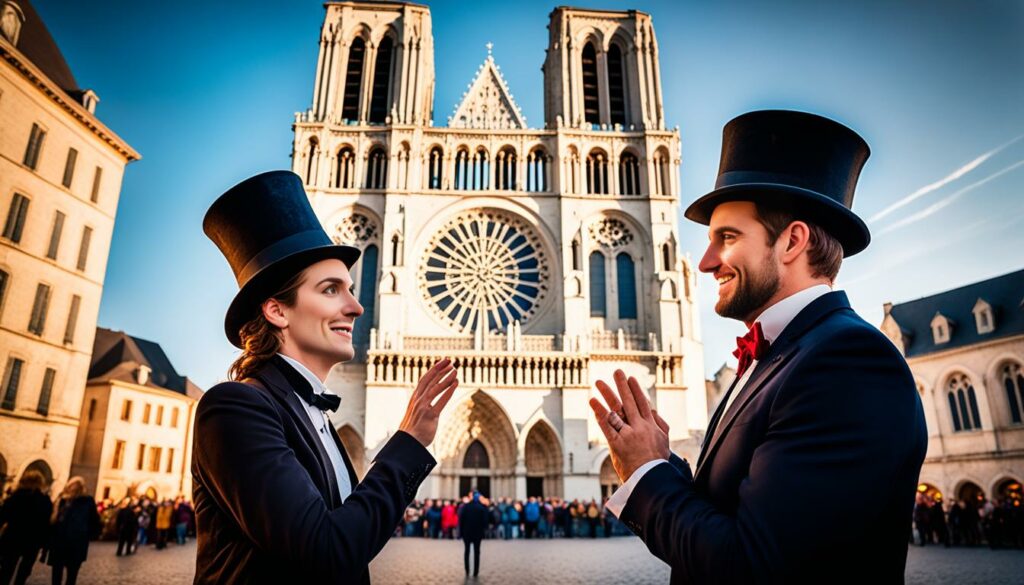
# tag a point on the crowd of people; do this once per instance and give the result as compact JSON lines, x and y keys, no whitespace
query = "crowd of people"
{"x":998,"y":523}
{"x":510,"y":519}
{"x":57,"y":532}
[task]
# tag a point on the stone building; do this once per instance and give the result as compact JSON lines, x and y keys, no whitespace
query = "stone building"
{"x":135,"y":436}
{"x":60,"y":179}
{"x":966,"y":350}
{"x":540,"y":258}
{"x":717,"y":386}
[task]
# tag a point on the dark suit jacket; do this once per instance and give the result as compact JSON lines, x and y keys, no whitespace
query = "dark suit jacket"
{"x":473,"y":519}
{"x":267,"y":504}
{"x":811,"y":474}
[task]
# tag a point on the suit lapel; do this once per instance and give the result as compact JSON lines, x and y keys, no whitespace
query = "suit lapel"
{"x":281,"y":385}
{"x":781,"y":350}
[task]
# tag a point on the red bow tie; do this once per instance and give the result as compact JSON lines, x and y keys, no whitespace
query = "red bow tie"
{"x":750,"y":347}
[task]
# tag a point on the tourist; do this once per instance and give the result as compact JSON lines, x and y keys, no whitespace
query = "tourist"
{"x":75,"y":522}
{"x":433,"y":515}
{"x":127,"y":527}
{"x":183,"y":515}
{"x":24,"y":522}
{"x":473,"y":518}
{"x":143,"y":520}
{"x":449,"y":519}
{"x":163,"y":523}
{"x":531,"y":516}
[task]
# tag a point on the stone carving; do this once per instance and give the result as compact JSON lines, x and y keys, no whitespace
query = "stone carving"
{"x":611,"y":233}
{"x":488,"y":103}
{"x":355,"y":230}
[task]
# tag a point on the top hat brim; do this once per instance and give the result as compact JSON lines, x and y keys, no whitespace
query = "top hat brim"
{"x":267,"y":281}
{"x":836,"y":219}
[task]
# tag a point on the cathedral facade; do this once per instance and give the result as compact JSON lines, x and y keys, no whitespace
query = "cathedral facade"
{"x":539,"y":258}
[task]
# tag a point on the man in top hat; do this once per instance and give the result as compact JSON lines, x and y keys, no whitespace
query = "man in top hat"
{"x":810,"y":463}
{"x":276,"y":498}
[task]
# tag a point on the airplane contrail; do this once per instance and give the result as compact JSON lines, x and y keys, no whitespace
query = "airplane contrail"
{"x":950,"y":199}
{"x":943,"y":181}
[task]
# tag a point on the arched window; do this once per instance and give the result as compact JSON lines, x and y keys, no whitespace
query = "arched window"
{"x":629,"y":174}
{"x":480,"y":170}
{"x":572,"y":171}
{"x":662,"y":185}
{"x":1013,"y":382}
{"x":666,"y":256}
{"x":537,"y":170}
{"x":963,"y":404}
{"x":345,"y":169}
{"x":381,"y":82}
{"x":616,"y":86}
{"x":626,"y":276}
{"x":367,"y":296}
{"x":576,"y":260}
{"x":597,"y":173}
{"x":311,"y":154}
{"x":476,"y":456}
{"x":376,"y":169}
{"x":353,"y":79}
{"x":505,"y":169}
{"x":591,"y":107}
{"x":435,"y":168}
{"x":598,"y":306}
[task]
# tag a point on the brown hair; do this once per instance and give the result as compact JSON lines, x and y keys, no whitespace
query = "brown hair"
{"x":32,"y":480}
{"x":260,"y":339}
{"x":824,"y":252}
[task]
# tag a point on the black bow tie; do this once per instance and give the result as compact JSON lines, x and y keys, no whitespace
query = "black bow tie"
{"x":301,"y":385}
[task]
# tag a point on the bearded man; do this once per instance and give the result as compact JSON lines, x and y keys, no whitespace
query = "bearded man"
{"x":810,"y":463}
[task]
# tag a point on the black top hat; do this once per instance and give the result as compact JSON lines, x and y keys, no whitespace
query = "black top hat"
{"x":800,"y":162}
{"x":268,"y":232}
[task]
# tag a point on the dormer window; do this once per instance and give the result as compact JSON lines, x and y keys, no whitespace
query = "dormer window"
{"x":89,"y":100}
{"x":983,"y":317}
{"x":142,"y":374}
{"x":11,"y":19}
{"x":942,"y":328}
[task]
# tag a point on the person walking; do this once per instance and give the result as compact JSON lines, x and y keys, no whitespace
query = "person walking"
{"x":163,"y":523}
{"x":182,"y":518}
{"x":75,"y":522}
{"x":127,"y":526}
{"x":143,"y":520}
{"x":24,"y":522}
{"x":473,"y":518}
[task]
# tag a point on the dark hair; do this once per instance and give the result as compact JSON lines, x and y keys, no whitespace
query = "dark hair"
{"x":824,"y":252}
{"x":260,"y":339}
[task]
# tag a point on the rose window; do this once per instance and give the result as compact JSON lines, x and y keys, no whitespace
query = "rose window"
{"x":484,"y":268}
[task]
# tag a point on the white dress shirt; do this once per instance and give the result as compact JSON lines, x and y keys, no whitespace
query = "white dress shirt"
{"x":773,"y":321}
{"x":324,"y":428}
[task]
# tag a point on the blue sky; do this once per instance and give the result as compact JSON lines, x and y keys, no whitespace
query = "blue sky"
{"x":206,"y":91}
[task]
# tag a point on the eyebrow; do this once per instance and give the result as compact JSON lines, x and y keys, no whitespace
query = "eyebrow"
{"x":333,"y":280}
{"x":726,"y":228}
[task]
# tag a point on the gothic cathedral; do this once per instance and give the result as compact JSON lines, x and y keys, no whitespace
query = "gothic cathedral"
{"x":540,"y":259}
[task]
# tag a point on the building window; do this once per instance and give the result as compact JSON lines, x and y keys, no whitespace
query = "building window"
{"x":35,"y":146}
{"x":159,"y":415}
{"x":1013,"y":382}
{"x":597,"y":173}
{"x":58,"y":228}
{"x":41,"y":305}
{"x":616,"y":86}
{"x":16,"y":218}
{"x":575,"y":253}
{"x":69,"y":330}
{"x":10,"y":25}
{"x":381,"y":82}
{"x":43,"y":407}
{"x":83,"y":249}
{"x":353,"y":79}
{"x":436,"y":166}
{"x":376,"y":169}
{"x":92,"y":409}
{"x":983,"y":317}
{"x":591,"y":104}
{"x":126,"y":410}
{"x":118,"y":461}
{"x":174,"y":418}
{"x":462,"y":169}
{"x":666,"y":256}
{"x":97,"y":180}
{"x":598,"y":306}
{"x":146,"y":408}
{"x":963,"y":404}
{"x":537,"y":163}
{"x":629,"y":174}
{"x":69,"y":168}
{"x":12,"y":377}
{"x":345,"y":170}
{"x":626,"y":276}
{"x":4,"y":277}
{"x":311,"y":154}
{"x":142,"y":457}
{"x":505,"y":167}
{"x":154,"y":458}
{"x":170,"y":460}
{"x":662,"y":185}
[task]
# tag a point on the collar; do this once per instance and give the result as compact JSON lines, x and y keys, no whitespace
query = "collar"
{"x":318,"y":386}
{"x":775,"y":318}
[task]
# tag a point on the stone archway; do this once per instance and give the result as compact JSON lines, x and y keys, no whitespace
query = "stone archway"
{"x":543,"y":456}
{"x":971,"y":494}
{"x":355,"y":448}
{"x":1010,"y":490}
{"x":609,"y":479}
{"x":478,"y":418}
{"x":42,"y":467}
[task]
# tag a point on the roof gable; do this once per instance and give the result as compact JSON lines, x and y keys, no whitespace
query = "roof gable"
{"x":118,"y":356}
{"x":488,"y":103}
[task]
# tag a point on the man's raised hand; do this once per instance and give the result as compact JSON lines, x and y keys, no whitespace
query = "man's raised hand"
{"x":636,"y":434}
{"x":433,"y":392}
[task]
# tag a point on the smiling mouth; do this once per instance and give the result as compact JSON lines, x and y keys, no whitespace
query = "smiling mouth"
{"x":722,"y":280}
{"x":343,"y":329}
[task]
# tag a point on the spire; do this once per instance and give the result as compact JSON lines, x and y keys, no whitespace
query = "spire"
{"x":488,"y":103}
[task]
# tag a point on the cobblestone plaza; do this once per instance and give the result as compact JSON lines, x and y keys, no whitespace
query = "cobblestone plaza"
{"x":528,"y":562}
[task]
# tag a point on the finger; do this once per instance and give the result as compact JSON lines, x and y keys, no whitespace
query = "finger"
{"x":660,"y":421}
{"x":601,"y":413}
{"x":438,"y":369}
{"x":442,"y":384}
{"x":626,"y":395}
{"x":642,"y":404}
{"x":445,"y":397}
{"x":609,"y":396}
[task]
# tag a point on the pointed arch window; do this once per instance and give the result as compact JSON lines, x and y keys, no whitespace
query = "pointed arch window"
{"x":626,"y":276}
{"x":666,"y":256}
{"x":505,"y":168}
{"x":629,"y":174}
{"x":597,"y":173}
{"x":367,"y":295}
{"x":481,"y":170}
{"x":353,"y":79}
{"x":661,"y":177}
{"x":1013,"y":382}
{"x":476,"y":456}
{"x":381,"y":82}
{"x":376,"y":169}
{"x":311,"y":153}
{"x":598,"y":304}
{"x":591,"y":107}
{"x":616,"y":86}
{"x":435,"y":168}
{"x":963,"y":404}
{"x":537,"y":171}
{"x":345,"y":169}
{"x":462,"y":169}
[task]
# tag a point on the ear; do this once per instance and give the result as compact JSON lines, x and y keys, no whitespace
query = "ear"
{"x":794,"y":239}
{"x":273,"y":312}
